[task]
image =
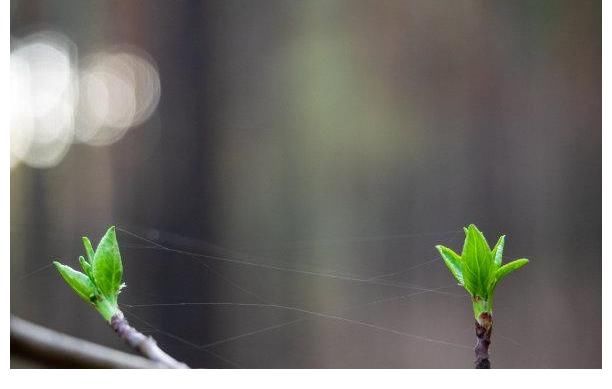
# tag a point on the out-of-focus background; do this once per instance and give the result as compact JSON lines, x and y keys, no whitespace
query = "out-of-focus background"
{"x":312,"y":154}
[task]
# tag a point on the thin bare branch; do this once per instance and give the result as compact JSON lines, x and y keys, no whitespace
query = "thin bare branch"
{"x":55,"y":349}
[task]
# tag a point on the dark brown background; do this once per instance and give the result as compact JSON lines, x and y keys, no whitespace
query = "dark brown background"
{"x":334,"y":137}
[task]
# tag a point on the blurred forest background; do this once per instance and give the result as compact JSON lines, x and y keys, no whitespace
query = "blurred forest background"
{"x":318,"y":150}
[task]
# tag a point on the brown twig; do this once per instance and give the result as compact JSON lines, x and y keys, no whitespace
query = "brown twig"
{"x":145,"y":345}
{"x":484,"y":328}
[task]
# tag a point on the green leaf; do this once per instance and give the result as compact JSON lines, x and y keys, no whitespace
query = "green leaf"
{"x":509,"y":268}
{"x":479,"y":268}
{"x":106,"y":267}
{"x":498,"y":250}
{"x":85,"y":266}
{"x":452,"y":261}
{"x":477,"y":265}
{"x":88,"y":249}
{"x":78,"y":281}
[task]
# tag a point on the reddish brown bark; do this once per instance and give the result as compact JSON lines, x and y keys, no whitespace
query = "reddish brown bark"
{"x":484,"y":328}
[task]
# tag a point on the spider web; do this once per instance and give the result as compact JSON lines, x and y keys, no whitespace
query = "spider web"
{"x":211,"y":306}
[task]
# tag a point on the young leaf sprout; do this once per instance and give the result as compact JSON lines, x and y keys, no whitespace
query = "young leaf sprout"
{"x":100,"y":285}
{"x":479,"y":270}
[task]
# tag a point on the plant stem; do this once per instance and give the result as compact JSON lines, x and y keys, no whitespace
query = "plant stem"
{"x":484,"y":327}
{"x":106,"y":308}
{"x":145,"y":345}
{"x":482,"y":305}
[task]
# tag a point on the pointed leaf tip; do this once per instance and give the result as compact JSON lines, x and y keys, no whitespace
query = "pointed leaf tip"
{"x":477,"y":263}
{"x":452,"y":261}
{"x":79,"y":282}
{"x":107,"y":268}
{"x":508,"y":268}
{"x":88,"y":249}
{"x":498,"y":250}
